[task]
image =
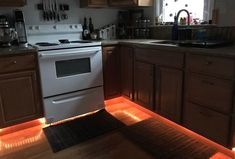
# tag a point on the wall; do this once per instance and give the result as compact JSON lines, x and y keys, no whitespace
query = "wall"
{"x":100,"y":17}
{"x":76,"y":14}
{"x":226,"y":12}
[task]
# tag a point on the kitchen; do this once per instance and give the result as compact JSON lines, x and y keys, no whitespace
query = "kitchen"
{"x":137,"y":74}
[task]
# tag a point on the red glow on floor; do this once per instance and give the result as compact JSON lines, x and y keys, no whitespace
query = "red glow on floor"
{"x":22,"y":126}
{"x":178,"y":127}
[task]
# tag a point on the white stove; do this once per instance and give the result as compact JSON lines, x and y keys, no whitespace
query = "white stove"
{"x":70,"y":70}
{"x":54,"y":37}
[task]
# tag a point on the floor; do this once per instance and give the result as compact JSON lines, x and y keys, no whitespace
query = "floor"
{"x":30,"y":143}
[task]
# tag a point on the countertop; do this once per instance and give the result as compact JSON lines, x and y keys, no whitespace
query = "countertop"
{"x":227,"y":51}
{"x":17,"y":50}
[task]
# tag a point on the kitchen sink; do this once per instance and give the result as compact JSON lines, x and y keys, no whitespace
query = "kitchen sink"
{"x":166,"y":42}
{"x":195,"y":43}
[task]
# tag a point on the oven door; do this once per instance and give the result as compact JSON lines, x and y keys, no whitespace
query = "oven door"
{"x":69,"y":70}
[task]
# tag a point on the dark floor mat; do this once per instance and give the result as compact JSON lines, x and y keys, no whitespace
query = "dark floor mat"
{"x":164,"y":142}
{"x":73,"y":132}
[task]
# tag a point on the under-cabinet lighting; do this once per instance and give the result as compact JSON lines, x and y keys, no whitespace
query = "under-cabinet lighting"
{"x":233,"y":149}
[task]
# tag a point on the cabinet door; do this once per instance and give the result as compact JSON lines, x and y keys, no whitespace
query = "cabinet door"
{"x":169,"y":93}
{"x":127,"y":71}
{"x":19,"y":98}
{"x":12,"y":2}
{"x":93,"y":3}
{"x":144,"y":84}
{"x":112,"y":73}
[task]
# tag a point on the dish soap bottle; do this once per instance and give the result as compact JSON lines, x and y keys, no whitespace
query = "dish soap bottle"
{"x":174,"y":34}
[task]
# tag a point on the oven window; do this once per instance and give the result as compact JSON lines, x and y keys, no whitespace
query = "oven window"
{"x":72,"y":67}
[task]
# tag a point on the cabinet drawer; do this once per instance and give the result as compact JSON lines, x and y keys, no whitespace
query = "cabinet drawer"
{"x":159,"y":57}
{"x":16,"y":63}
{"x":214,"y":93}
{"x":210,"y":124}
{"x":211,"y":65}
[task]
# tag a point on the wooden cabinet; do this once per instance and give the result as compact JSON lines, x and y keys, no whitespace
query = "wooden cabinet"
{"x":214,"y":93}
{"x":210,"y":65}
{"x":144,"y":84}
{"x":127,"y":59}
{"x":115,"y":3}
{"x":12,"y":3}
{"x":169,"y":92}
{"x":206,"y":122}
{"x":20,"y":97}
{"x":93,"y":3}
{"x":168,"y":80}
{"x":209,"y":97}
{"x":130,"y":3}
{"x":112,"y":71}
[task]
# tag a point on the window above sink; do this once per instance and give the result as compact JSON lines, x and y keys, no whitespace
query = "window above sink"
{"x":201,"y":10}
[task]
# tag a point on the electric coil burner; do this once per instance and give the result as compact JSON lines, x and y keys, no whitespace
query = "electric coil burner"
{"x":70,"y":69}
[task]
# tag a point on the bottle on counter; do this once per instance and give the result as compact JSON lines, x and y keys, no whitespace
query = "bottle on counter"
{"x":91,"y":26}
{"x":85,"y":32}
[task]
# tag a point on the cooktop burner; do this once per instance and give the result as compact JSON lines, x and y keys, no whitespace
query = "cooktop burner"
{"x":46,"y":44}
{"x":66,"y":41}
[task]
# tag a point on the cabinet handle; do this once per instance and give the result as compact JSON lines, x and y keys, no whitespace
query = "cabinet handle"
{"x":14,"y":62}
{"x":208,"y":82}
{"x":205,"y":114}
{"x":209,"y":63}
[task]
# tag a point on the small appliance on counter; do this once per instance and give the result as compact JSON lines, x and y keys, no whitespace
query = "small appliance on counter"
{"x":7,"y":34}
{"x":108,"y":32}
{"x":20,"y":27}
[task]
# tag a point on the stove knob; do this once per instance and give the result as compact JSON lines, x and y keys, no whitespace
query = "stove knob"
{"x":71,"y":27}
{"x":54,"y":27}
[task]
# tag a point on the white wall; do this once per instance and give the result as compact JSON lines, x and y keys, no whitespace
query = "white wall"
{"x":76,"y":14}
{"x":226,"y":12}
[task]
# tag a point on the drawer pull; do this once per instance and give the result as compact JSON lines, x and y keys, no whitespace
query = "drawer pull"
{"x":209,"y":63}
{"x":205,"y":114}
{"x":14,"y":62}
{"x":208,"y":82}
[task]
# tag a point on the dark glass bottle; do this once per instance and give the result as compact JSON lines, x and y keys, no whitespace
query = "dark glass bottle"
{"x":85,"y":33}
{"x":175,"y":29}
{"x":91,"y":26}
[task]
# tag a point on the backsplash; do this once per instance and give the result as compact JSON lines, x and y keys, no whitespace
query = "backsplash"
{"x":209,"y":32}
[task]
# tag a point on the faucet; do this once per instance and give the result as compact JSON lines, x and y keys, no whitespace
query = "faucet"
{"x":178,"y":14}
{"x":175,"y":30}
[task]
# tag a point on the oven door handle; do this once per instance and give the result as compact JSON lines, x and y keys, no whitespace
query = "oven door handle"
{"x":70,"y":53}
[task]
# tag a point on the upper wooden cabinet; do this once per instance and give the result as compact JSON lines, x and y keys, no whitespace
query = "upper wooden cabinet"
{"x":94,"y":3}
{"x":130,"y":2}
{"x":12,"y":3}
{"x":115,"y":3}
{"x":20,"y":96}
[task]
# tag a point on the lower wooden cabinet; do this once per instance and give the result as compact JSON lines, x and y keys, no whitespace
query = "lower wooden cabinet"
{"x":144,"y":84}
{"x":206,"y":122}
{"x":12,"y":3}
{"x":169,"y":93}
{"x":112,"y":72}
{"x":127,"y":69}
{"x":19,"y":98}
